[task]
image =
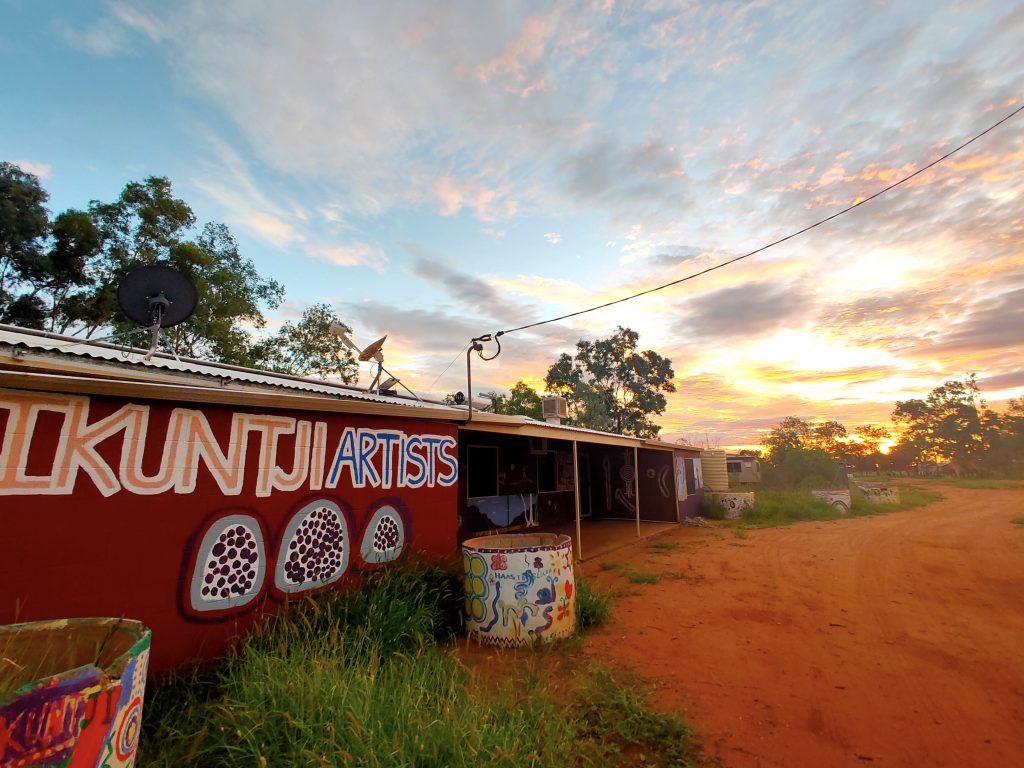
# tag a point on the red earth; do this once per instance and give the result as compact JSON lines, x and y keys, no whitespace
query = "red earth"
{"x":894,"y":640}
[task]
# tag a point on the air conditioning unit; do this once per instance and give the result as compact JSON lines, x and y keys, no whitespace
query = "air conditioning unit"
{"x":554,"y":408}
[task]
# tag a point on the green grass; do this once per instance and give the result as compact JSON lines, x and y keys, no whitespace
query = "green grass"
{"x":606,"y":566}
{"x":368,"y":678}
{"x":615,"y":713}
{"x":776,"y":507}
{"x":664,"y":545}
{"x":642,"y":577}
{"x":593,"y":608}
{"x":981,"y":483}
{"x":911,"y":497}
{"x":1019,"y":520}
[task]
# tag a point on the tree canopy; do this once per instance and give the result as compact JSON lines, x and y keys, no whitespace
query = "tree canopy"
{"x":953,"y":424}
{"x":610,"y":385}
{"x":522,"y":400}
{"x":308,"y":348}
{"x":62,"y":275}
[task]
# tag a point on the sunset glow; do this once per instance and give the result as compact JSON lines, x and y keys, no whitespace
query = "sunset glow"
{"x":439,"y":171}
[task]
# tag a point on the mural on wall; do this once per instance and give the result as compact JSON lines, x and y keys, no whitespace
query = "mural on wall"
{"x":86,"y":717}
{"x":378,"y":458}
{"x":314,"y":550}
{"x":230,"y":564}
{"x":626,"y":495}
{"x":838,"y":499}
{"x":238,"y":511}
{"x":519,"y":589}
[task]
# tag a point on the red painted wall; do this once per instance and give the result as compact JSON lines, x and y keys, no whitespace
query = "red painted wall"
{"x":111,"y":507}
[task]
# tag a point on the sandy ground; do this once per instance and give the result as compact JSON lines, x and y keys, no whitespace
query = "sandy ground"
{"x":895,"y":640}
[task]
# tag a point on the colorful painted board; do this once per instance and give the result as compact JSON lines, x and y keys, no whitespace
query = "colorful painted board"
{"x":81,"y":703}
{"x":519,"y":588}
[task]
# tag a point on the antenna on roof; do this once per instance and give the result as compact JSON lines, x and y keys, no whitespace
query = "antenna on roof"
{"x":375,"y":352}
{"x":157,"y":296}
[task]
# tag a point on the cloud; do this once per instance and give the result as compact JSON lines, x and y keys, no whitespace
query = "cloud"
{"x":553,"y":237}
{"x":1004,"y":381}
{"x":351,"y":255}
{"x":744,"y":311}
{"x":103,"y":38}
{"x":42,"y":170}
{"x":995,"y":323}
{"x":469,"y":291}
{"x":271,"y":228}
{"x":490,"y":204}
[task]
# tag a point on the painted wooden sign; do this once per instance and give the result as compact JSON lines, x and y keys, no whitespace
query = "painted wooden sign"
{"x":196,"y":520}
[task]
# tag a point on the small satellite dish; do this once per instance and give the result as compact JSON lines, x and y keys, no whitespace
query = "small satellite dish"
{"x":157,"y":296}
{"x":372,"y":351}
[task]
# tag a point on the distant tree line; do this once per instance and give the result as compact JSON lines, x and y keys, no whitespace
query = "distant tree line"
{"x":951,"y":430}
{"x":61,"y":274}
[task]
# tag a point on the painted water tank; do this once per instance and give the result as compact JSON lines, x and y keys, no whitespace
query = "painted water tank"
{"x":840,"y":499}
{"x":519,"y":588}
{"x":71,"y":692}
{"x":732,"y":504}
{"x":716,"y":472}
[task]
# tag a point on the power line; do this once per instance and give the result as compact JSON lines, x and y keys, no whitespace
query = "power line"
{"x":457,"y":356}
{"x":790,"y":236}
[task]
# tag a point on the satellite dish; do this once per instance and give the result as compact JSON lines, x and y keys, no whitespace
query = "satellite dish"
{"x":373,"y":350}
{"x":157,"y":296}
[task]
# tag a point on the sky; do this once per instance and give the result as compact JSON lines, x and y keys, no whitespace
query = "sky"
{"x":440,"y":170}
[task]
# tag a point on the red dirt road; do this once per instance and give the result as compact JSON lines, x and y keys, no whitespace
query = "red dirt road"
{"x":895,"y":640}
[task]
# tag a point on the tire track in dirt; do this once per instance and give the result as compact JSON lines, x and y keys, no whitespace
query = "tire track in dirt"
{"x":895,"y":640}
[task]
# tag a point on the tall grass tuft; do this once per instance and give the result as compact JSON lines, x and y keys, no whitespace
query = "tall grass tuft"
{"x":784,"y":507}
{"x":593,"y":608}
{"x":616,"y":714}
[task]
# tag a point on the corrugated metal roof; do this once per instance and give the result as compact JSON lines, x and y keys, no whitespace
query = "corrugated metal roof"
{"x":103,"y":358}
{"x":493,"y":420}
{"x":127,"y":357}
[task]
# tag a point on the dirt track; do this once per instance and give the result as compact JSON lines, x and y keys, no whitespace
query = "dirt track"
{"x":895,"y":640}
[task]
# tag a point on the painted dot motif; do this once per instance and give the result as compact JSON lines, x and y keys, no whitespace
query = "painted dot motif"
{"x":315,"y":552}
{"x":385,"y":537}
{"x":232,"y":566}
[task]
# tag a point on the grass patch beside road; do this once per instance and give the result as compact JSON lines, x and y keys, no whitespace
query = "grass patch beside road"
{"x":981,"y":483}
{"x":776,"y":507}
{"x":369,"y":678}
{"x":1019,"y":520}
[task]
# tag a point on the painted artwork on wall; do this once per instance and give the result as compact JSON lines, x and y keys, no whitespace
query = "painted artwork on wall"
{"x":208,"y":517}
